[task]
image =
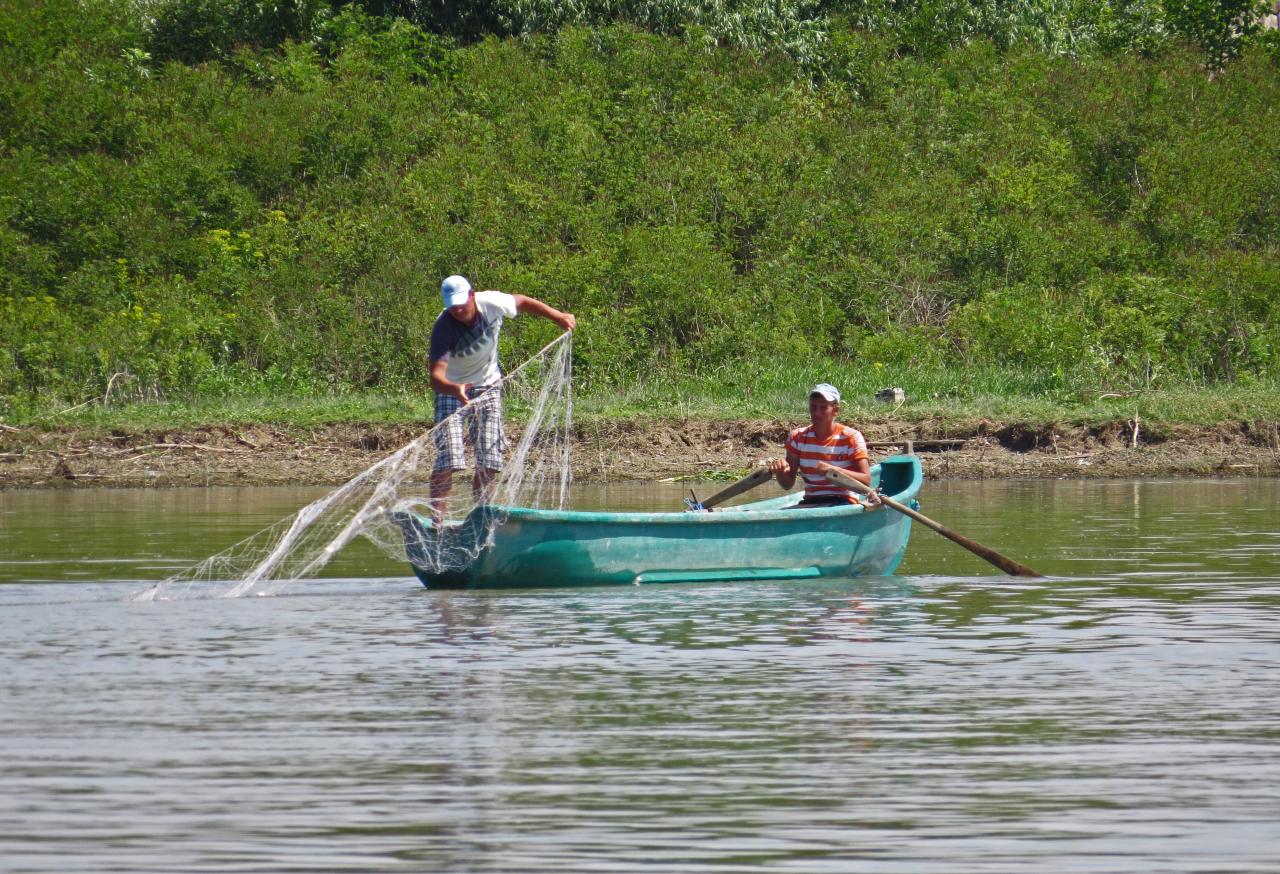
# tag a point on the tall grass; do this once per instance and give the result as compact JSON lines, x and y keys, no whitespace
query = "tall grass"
{"x":944,"y":398}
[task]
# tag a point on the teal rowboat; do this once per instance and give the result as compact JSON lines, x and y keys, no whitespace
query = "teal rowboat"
{"x":521,"y":547}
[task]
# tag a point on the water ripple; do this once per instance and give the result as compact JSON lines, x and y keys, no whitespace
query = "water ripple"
{"x":1119,"y":716}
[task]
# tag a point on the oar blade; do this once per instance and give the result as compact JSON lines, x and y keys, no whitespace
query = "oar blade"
{"x":1006,"y":564}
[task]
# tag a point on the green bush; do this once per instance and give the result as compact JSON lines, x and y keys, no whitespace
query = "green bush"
{"x":1221,"y":28}
{"x":194,"y":31}
{"x":279,"y":216}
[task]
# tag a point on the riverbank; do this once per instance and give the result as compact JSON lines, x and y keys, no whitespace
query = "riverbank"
{"x":631,"y":450}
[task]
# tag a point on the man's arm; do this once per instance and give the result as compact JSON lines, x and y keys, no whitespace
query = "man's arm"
{"x":440,"y":384}
{"x":526,"y":304}
{"x":861,"y":470}
{"x":784,"y":470}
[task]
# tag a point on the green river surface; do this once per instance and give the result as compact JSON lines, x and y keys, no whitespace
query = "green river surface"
{"x":1120,"y":715}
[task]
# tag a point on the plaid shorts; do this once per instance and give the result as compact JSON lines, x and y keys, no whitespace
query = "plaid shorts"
{"x":483,"y":417}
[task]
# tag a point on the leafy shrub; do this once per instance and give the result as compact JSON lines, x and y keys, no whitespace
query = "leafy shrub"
{"x":193,"y":31}
{"x":281,"y":218}
{"x":388,"y":47}
{"x":1219,"y":27}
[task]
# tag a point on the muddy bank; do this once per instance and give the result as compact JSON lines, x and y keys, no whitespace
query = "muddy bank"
{"x":635,"y":450}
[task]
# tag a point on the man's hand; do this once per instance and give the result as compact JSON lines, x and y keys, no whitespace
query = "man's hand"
{"x":566,"y":321}
{"x":459,"y":391}
{"x":784,"y":470}
{"x":441,"y":385}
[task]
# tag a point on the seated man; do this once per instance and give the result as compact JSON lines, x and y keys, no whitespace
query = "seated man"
{"x":823,"y":439}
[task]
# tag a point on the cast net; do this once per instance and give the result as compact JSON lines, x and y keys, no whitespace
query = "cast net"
{"x":411,"y":505}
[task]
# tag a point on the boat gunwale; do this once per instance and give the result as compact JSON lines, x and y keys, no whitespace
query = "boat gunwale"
{"x":778,"y":510}
{"x":677,"y":517}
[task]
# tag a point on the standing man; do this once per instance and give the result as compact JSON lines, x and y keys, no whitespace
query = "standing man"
{"x":823,"y":439}
{"x":463,"y":362}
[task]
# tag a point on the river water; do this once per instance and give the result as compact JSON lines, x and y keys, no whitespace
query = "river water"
{"x":1120,"y":715}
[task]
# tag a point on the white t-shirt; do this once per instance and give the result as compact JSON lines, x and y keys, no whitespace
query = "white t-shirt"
{"x":472,"y":350}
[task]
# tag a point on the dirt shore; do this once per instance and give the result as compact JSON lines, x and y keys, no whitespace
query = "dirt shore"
{"x":631,"y":450}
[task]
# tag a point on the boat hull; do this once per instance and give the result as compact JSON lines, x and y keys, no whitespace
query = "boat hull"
{"x":761,"y":540}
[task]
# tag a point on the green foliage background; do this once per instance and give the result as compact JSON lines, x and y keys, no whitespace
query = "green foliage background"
{"x":204,"y":198}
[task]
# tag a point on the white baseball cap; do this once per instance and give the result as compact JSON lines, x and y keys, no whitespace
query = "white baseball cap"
{"x":826,"y":390}
{"x":455,"y":291}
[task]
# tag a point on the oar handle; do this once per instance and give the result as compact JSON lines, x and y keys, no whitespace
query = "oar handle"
{"x":1006,"y":564}
{"x":761,"y":474}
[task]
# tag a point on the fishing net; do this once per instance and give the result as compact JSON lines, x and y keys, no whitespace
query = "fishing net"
{"x":400,"y":504}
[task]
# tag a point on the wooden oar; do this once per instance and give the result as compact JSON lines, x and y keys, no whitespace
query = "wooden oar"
{"x":761,"y":474}
{"x":1006,"y":564}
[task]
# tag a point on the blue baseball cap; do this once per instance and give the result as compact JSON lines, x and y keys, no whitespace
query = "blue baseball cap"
{"x":455,"y":290}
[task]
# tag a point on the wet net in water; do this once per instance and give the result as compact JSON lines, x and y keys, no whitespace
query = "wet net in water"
{"x":395,"y":505}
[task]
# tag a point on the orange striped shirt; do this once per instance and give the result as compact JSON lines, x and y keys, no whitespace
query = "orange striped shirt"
{"x":845,"y":446}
